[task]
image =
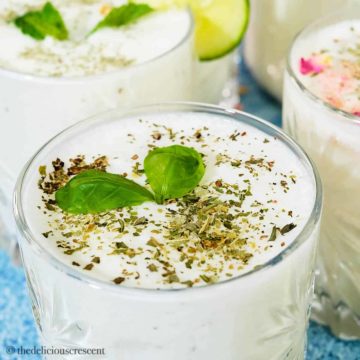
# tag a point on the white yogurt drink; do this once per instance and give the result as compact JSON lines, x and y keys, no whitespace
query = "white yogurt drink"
{"x":273,"y":26}
{"x":47,"y":85}
{"x":321,"y":110}
{"x":223,"y":272}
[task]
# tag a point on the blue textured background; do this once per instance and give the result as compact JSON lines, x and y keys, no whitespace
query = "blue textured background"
{"x":17,"y":326}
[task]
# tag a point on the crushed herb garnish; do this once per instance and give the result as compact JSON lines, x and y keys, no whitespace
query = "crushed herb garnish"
{"x":211,"y":233}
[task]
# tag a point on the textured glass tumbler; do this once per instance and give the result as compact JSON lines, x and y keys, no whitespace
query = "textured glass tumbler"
{"x":332,"y":138}
{"x":35,"y":108}
{"x":264,"y":311}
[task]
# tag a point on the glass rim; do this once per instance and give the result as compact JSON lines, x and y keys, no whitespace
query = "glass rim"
{"x":18,"y":75}
{"x":240,"y":116}
{"x":293,"y":75}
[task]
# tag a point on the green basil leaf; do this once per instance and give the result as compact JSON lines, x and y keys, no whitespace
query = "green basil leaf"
{"x":123,"y":15}
{"x":94,"y":191}
{"x":173,"y":171}
{"x":39,"y":24}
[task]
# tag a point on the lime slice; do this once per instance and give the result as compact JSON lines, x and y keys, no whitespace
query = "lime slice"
{"x":220,"y":26}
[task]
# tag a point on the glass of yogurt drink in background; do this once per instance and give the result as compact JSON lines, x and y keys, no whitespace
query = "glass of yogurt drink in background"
{"x":46,"y":85}
{"x":222,"y":272}
{"x":273,"y":26}
{"x":321,"y":111}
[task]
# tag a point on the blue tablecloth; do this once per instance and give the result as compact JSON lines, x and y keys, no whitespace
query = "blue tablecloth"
{"x":17,"y":326}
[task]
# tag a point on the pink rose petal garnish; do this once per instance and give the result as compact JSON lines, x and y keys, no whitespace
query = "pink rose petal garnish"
{"x":309,"y":66}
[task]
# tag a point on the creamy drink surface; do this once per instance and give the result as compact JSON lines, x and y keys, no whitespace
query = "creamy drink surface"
{"x":253,"y":201}
{"x":107,"y":49}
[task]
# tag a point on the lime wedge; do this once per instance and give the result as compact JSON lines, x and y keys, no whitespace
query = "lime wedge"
{"x":219,"y":26}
